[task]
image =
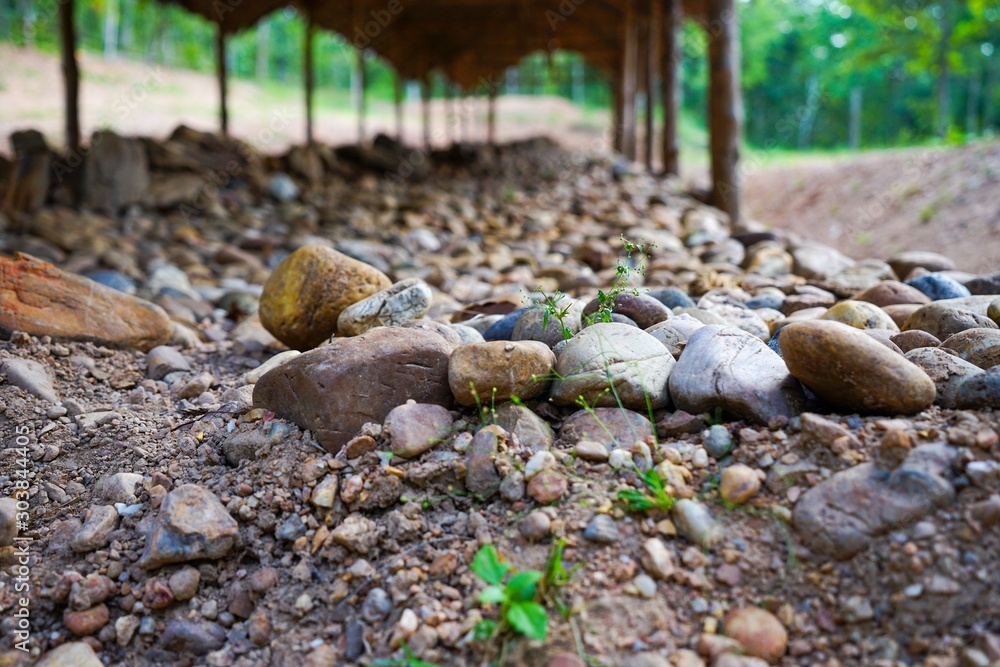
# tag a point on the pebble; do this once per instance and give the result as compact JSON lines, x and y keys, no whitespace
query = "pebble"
{"x":481,"y":477}
{"x":503,"y":329}
{"x":376,"y":606}
{"x":913,"y":340}
{"x":892,"y":293}
{"x":487,"y":374}
{"x":979,"y":392}
{"x":547,"y":487}
{"x":31,"y":376}
{"x":758,"y":631}
{"x":536,"y":324}
{"x":414,"y":428}
{"x":539,"y":461}
{"x":184,"y":583}
{"x":718,"y":443}
{"x":192,"y":525}
{"x":187,"y":636}
{"x":819,"y":262}
{"x":695,"y":522}
{"x":325,"y":493}
{"x":850,"y":370}
{"x":533,"y":432}
{"x":739,"y":483}
{"x":588,"y":450}
{"x":905,"y":262}
{"x":71,"y":654}
{"x":645,"y":586}
{"x":942,"y":319}
{"x":602,"y":529}
{"x":8,"y":521}
{"x":672,"y":297}
{"x":675,"y":332}
{"x":535,"y":526}
{"x":125,"y":628}
{"x":88,"y":621}
{"x":939,"y":286}
{"x":403,"y":302}
{"x":305,"y":295}
{"x":256,"y":374}
{"x":947,"y":371}
{"x":163,"y":360}
{"x":993,"y":311}
{"x":612,"y":427}
{"x":657,"y":559}
{"x":101,"y":520}
{"x":860,"y":315}
{"x":643,"y":310}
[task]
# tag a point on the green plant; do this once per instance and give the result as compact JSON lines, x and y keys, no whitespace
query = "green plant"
{"x":408,"y":660}
{"x":520,"y":610}
{"x":556,"y":576}
{"x":636,"y":255}
{"x":640,"y":501}
{"x":552,"y":310}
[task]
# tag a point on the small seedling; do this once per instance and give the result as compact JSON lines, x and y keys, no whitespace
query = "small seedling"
{"x":552,"y":310}
{"x":635,"y":258}
{"x":408,"y":660}
{"x":639,"y":501}
{"x":519,"y":608}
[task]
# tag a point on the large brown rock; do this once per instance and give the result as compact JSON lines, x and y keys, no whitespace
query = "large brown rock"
{"x":980,"y":346}
{"x":38,"y":298}
{"x":307,"y":292}
{"x":335,"y":389}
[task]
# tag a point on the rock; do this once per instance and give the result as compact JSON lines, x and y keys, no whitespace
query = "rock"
{"x":100,"y":521}
{"x":739,"y":483}
{"x":403,"y":302}
{"x":644,"y":310}
{"x":414,"y":428}
{"x":8,"y":521}
{"x":163,"y":360}
{"x":729,"y":368}
{"x":71,"y":654}
{"x":657,"y":559}
{"x":537,"y":324}
{"x":602,"y":529}
{"x":914,"y":340}
{"x":538,"y":462}
{"x":184,"y":583}
{"x":903,"y":263}
{"x":241,"y":445}
{"x":977,"y":346}
{"x":446,"y":331}
{"x":758,"y":631}
{"x":256,"y":374}
{"x":672,"y":297}
{"x":718,"y":442}
{"x":198,"y":638}
{"x":88,"y":621}
{"x":535,"y":526}
{"x":942,"y":319}
{"x":768,"y":258}
{"x":819,"y":262}
{"x":695,"y":522}
{"x":947,"y":371}
{"x":376,"y":605}
{"x":613,"y":364}
{"x":192,"y":525}
{"x":116,"y":172}
{"x":858,"y":277}
{"x":336,"y":389}
{"x":41,"y":300}
{"x":588,"y":450}
{"x":843,"y":515}
{"x":31,"y":376}
{"x":30,"y":177}
{"x":680,"y":423}
{"x":846,"y":368}
{"x":357,"y":533}
{"x":860,"y":315}
{"x":325,"y":493}
{"x":305,"y":295}
{"x":481,"y":477}
{"x":467,"y":335}
{"x":675,"y":333}
{"x":547,"y":487}
{"x":120,"y":487}
{"x":503,"y":329}
{"x":823,"y":431}
{"x":939,"y":286}
{"x":612,"y":427}
{"x":993,"y":311}
{"x":892,"y":293}
{"x":979,"y":392}
{"x":533,"y":432}
{"x":486,"y":374}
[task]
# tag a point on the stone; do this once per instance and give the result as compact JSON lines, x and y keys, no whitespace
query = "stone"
{"x":758,"y":631}
{"x":613,"y":364}
{"x":8,"y":521}
{"x":243,"y":445}
{"x":672,"y":297}
{"x":979,"y":392}
{"x":446,"y":331}
{"x":116,"y":173}
{"x":325,"y":493}
{"x":535,"y":526}
{"x":41,"y":300}
{"x":977,"y":346}
{"x":163,"y":360}
{"x":942,"y":319}
{"x":547,"y":487}
{"x":305,"y":295}
{"x":860,"y":315}
{"x":644,"y":310}
{"x":718,"y":442}
{"x":738,"y":484}
{"x":467,"y":335}
{"x":184,"y":583}
{"x":601,"y":529}
{"x":403,"y":302}
{"x":768,"y":258}
{"x":892,"y":293}
{"x":913,"y":340}
{"x":192,"y":525}
{"x":538,"y":462}
{"x":858,"y":277}
{"x":588,"y":450}
{"x":256,"y":374}
{"x":939,"y":286}
{"x":414,"y":428}
{"x":120,"y":487}
{"x":612,"y":427}
{"x":357,"y":533}
{"x":97,"y":527}
{"x":724,"y":367}
{"x":947,"y":371}
{"x":538,"y":324}
{"x":850,"y":370}
{"x":843,"y":515}
{"x":822,"y":431}
{"x":186,"y":636}
{"x":88,"y":621}
{"x":71,"y":654}
{"x":376,"y":606}
{"x":533,"y":432}
{"x":993,"y":311}
{"x":695,"y":522}
{"x":674,"y":333}
{"x":819,"y":262}
{"x":905,"y":262}
{"x":481,"y":477}
{"x":657,"y":559}
{"x":31,"y":376}
{"x":503,"y":329}
{"x":334,"y":390}
{"x":486,"y":374}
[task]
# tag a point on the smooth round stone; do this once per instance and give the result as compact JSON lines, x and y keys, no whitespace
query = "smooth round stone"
{"x":443,"y":330}
{"x":494,"y":372}
{"x":613,"y":427}
{"x":942,"y":319}
{"x":610,"y":364}
{"x":859,"y":276}
{"x":758,"y":631}
{"x":718,"y":442}
{"x":980,"y":392}
{"x":305,"y":295}
{"x":772,"y":301}
{"x":905,"y":262}
{"x":703,"y":316}
{"x":977,"y":346}
{"x":892,"y":293}
{"x":163,"y":360}
{"x":403,"y":302}
{"x":901,"y":312}
{"x":644,"y":310}
{"x":819,"y":262}
{"x":601,"y":529}
{"x":672,"y":297}
{"x":588,"y":450}
{"x":768,"y":258}
{"x":860,"y":315}
{"x":913,"y":340}
{"x":851,"y":370}
{"x":993,"y":312}
{"x":674,"y":333}
{"x":946,"y":370}
{"x":535,"y":526}
{"x":414,"y":428}
{"x":939,"y":286}
{"x":738,"y":484}
{"x":503,"y":329}
{"x":467,"y":335}
{"x":883,"y":336}
{"x":695,"y":522}
{"x":986,"y":284}
{"x":547,"y":487}
{"x":538,"y":325}
{"x":743,"y":318}
{"x":533,"y":432}
{"x":724,"y":251}
{"x":113,"y":279}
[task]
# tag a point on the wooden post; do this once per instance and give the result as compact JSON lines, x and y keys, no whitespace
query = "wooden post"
{"x":617,"y":110}
{"x":425,"y":100}
{"x":491,"y":117}
{"x":220,"y":71}
{"x":670,"y":86}
{"x":361,"y":96}
{"x":629,"y":79}
{"x":725,"y":105}
{"x":398,"y":101}
{"x":71,"y":74}
{"x":308,"y":76}
{"x":650,"y":60}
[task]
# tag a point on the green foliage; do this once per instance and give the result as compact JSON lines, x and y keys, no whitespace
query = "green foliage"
{"x":551,"y":310}
{"x":520,"y":610}
{"x":656,"y":499}
{"x":636,"y":255}
{"x":408,"y":660}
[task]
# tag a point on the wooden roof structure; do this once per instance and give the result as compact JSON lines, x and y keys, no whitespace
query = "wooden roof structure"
{"x":473,"y":42}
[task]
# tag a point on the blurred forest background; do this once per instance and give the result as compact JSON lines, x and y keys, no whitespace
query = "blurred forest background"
{"x":817,"y":74}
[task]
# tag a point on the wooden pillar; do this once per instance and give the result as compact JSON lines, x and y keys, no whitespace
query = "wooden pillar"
{"x":361,"y":96}
{"x":670,"y":87}
{"x":725,"y":104}
{"x":425,"y":103}
{"x":308,"y":76}
{"x":617,"y":110}
{"x":491,"y":117}
{"x":398,"y":102}
{"x":629,"y":79}
{"x":71,"y":74}
{"x":652,"y":57}
{"x":220,"y":71}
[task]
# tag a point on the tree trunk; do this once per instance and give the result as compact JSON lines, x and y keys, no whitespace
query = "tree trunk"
{"x":110,"y":28}
{"x":629,"y":79}
{"x":670,"y":87}
{"x":425,"y":95}
{"x":808,"y":118}
{"x":944,"y":70}
{"x":725,"y":105}
{"x":308,"y":77}
{"x":128,"y":10}
{"x":398,"y":103}
{"x":989,"y":122}
{"x":263,"y":54}
{"x":71,"y":74}
{"x":972,"y":106}
{"x":854,"y":120}
{"x":220,"y":72}
{"x":360,"y":99}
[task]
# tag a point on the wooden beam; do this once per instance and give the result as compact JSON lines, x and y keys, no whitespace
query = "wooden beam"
{"x":725,"y":104}
{"x":71,"y":74}
{"x":398,"y":102}
{"x":220,"y":72}
{"x":670,"y":85}
{"x":617,"y":110}
{"x":491,"y":117}
{"x":629,"y":79}
{"x":652,"y":57}
{"x":308,"y":76}
{"x":361,"y":70}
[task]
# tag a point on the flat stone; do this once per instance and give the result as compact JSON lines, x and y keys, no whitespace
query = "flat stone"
{"x":305,"y":295}
{"x":731,"y":369}
{"x":481,"y":477}
{"x":192,"y":525}
{"x":31,"y":376}
{"x":198,"y":638}
{"x":41,"y":300}
{"x":977,"y":346}
{"x":843,"y":515}
{"x":612,"y":427}
{"x":588,"y":450}
{"x":71,"y":654}
{"x":487,"y":374}
{"x":533,"y":432}
{"x":335,"y":389}
{"x":414,"y":428}
{"x":947,"y":371}
{"x":602,"y":529}
{"x":97,"y":527}
{"x":403,"y":302}
{"x":850,"y":370}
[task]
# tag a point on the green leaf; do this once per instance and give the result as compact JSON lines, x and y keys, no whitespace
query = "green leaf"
{"x":529,"y":619}
{"x":523,"y":585}
{"x":487,"y":565}
{"x":637,"y":501}
{"x":493,"y":594}
{"x":484,"y":630}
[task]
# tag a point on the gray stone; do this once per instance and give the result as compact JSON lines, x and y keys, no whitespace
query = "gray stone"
{"x":943,"y":318}
{"x":535,"y":324}
{"x":612,"y":427}
{"x":947,"y":371}
{"x":192,"y":525}
{"x":405,"y":301}
{"x":185,"y":636}
{"x":376,"y":606}
{"x":481,"y":477}
{"x":31,"y":376}
{"x":695,"y":522}
{"x":718,"y":442}
{"x":164,"y":360}
{"x":533,"y":432}
{"x":602,"y":529}
{"x":675,"y":332}
{"x":97,"y":527}
{"x":977,"y":346}
{"x":980,"y":391}
{"x":414,"y":428}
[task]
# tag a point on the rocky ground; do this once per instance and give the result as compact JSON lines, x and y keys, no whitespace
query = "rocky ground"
{"x":364,"y":366}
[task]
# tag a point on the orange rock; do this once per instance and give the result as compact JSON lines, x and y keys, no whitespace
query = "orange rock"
{"x":758,"y":631}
